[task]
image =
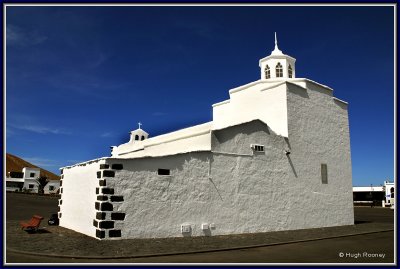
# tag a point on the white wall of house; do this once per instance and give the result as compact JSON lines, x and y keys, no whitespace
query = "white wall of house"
{"x":51,"y":187}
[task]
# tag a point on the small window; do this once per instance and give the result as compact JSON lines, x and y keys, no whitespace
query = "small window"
{"x":31,"y":186}
{"x":290,"y":71}
{"x":142,"y":138}
{"x":324,"y":173}
{"x":51,"y":188}
{"x":32,"y":174}
{"x":279,"y":70}
{"x":258,"y":148}
{"x":136,"y":137}
{"x":164,"y":172}
{"x":267,"y":72}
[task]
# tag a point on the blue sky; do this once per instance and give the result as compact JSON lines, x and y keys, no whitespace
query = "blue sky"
{"x":80,"y":78}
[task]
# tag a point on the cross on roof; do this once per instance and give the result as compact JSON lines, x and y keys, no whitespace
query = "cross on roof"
{"x":140,"y":124}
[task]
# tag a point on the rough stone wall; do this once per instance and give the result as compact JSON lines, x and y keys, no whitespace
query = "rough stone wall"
{"x":318,"y":134}
{"x":253,"y":195}
{"x":156,"y":205}
{"x":231,"y":189}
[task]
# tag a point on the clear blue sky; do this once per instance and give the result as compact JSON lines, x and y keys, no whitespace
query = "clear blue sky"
{"x":80,"y":78}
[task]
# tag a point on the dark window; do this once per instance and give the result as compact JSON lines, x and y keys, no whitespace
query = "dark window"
{"x":258,"y":148}
{"x":51,"y":188}
{"x":30,"y":186}
{"x":16,"y":174}
{"x":267,"y":72}
{"x":324,"y":173}
{"x":142,"y":138}
{"x":290,"y":71}
{"x":32,"y":175}
{"x":136,"y":137}
{"x":163,"y":172}
{"x":279,"y":70}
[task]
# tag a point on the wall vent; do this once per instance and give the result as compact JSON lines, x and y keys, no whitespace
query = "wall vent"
{"x":257,"y":147}
{"x":186,"y":228}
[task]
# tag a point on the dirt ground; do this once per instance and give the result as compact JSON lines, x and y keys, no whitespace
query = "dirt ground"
{"x":55,"y":240}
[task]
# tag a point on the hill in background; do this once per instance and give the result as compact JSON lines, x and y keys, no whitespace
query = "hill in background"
{"x":15,"y":164}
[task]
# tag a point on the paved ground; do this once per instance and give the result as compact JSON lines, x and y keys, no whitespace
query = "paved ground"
{"x":57,"y":240}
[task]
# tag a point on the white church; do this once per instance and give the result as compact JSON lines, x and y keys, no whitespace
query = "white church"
{"x":276,"y":156}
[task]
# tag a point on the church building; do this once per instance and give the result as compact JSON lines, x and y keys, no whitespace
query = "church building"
{"x":275,"y":157}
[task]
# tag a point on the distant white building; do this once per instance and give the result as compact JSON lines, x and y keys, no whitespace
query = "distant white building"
{"x":276,"y":156}
{"x":27,"y":180}
{"x":52,"y":187}
{"x":367,"y":195}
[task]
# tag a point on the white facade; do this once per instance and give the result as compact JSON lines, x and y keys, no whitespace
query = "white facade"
{"x":27,"y":182}
{"x":51,"y":187}
{"x":276,"y":156}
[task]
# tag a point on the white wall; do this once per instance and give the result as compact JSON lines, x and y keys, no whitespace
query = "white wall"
{"x":318,"y":133}
{"x":78,"y":195}
{"x":263,"y":100}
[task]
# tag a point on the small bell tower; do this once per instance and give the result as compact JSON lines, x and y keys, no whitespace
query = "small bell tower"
{"x":138,"y":135}
{"x":277,"y":65}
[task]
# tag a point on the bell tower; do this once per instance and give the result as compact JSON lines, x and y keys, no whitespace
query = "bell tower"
{"x":277,"y":65}
{"x":138,"y":134}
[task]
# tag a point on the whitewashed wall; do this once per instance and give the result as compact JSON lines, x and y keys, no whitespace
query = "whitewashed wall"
{"x":318,"y":133}
{"x":78,"y":197}
{"x":263,"y":100}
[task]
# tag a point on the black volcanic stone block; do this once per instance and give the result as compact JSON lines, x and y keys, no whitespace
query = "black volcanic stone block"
{"x":102,"y":198}
{"x":117,"y":216}
{"x":104,"y":166}
{"x":106,"y":207}
{"x":117,"y":166}
{"x":102,"y":182}
{"x":95,"y":223}
{"x":114,"y":233}
{"x":100,"y":234}
{"x":97,"y":206}
{"x":117,"y":198}
{"x":108,"y":173}
{"x":97,"y":190}
{"x":100,"y":215}
{"x":107,"y":191}
{"x":106,"y":224}
{"x":98,"y":174}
